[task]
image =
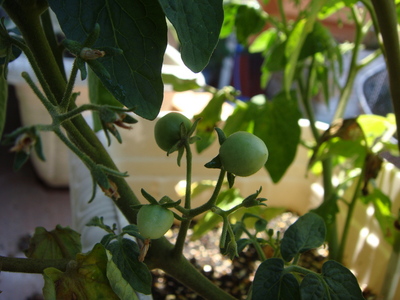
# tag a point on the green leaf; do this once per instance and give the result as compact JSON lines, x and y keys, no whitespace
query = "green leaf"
{"x":3,"y":100}
{"x":62,"y":242}
{"x":98,"y":94}
{"x":117,"y":282}
{"x":85,"y":278}
{"x":210,"y":117}
{"x":296,"y":41}
{"x":230,"y":11}
{"x":180,"y":84}
{"x":125,"y":256}
{"x":306,"y":233}
{"x":249,"y":20}
{"x":342,"y":283}
{"x":242,"y":118}
{"x":270,"y":279}
{"x":139,"y":29}
{"x":264,"y":41}
{"x":277,"y":125}
{"x":198,"y":24}
{"x":383,"y":213}
{"x":312,"y":288}
{"x":332,"y":6}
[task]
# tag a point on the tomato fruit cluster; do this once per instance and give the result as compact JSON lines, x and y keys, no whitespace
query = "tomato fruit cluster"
{"x":167,"y":131}
{"x":243,"y":154}
{"x":153,"y":221}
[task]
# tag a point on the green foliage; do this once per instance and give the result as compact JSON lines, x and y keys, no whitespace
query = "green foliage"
{"x":125,"y":254}
{"x":306,"y":233}
{"x":99,"y":95}
{"x":85,"y":278}
{"x":278,"y":281}
{"x":61,"y":242}
{"x":198,"y":24}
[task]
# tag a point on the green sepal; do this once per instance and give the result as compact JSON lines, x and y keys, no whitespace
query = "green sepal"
{"x":99,"y":68}
{"x":231,"y":179}
{"x":149,"y":197}
{"x":167,"y":202}
{"x":72,"y":46}
{"x":221,"y":135}
{"x":132,"y":230}
{"x":20,"y":159}
{"x":111,"y":51}
{"x":215,"y":163}
{"x":80,"y":63}
{"x":93,"y":36}
{"x":38,"y":147}
{"x":181,"y":151}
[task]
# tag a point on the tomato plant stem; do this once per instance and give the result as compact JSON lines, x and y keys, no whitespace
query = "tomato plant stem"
{"x":185,"y":224}
{"x":386,"y":15}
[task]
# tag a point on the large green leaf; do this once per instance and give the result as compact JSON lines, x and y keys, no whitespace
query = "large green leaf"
{"x":306,"y":233}
{"x":139,"y":29}
{"x":312,"y":288}
{"x":3,"y":100}
{"x":277,"y":125}
{"x":198,"y":24}
{"x":271,"y":282}
{"x":125,"y":254}
{"x":62,"y":242}
{"x":342,"y":283}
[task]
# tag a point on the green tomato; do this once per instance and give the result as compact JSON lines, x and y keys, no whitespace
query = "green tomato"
{"x":153,"y":221}
{"x":243,"y":154}
{"x":167,"y":130}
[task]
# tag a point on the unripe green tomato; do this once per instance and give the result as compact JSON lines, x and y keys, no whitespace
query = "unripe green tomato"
{"x":243,"y":153}
{"x":167,"y":129}
{"x":153,"y":221}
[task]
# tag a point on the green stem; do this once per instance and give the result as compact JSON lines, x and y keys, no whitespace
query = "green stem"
{"x":353,"y":69}
{"x":161,"y":255}
{"x":283,"y":16}
{"x":180,"y":241}
{"x":30,"y":265}
{"x":256,"y":244}
{"x":64,"y":103}
{"x":26,"y":15}
{"x":49,"y":106}
{"x":51,"y":38}
{"x":349,"y":215}
{"x":387,"y":19}
{"x":211,"y":202}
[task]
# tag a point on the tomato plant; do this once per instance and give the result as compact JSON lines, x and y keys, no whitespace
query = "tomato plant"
{"x":167,"y":130}
{"x":153,"y":221}
{"x":243,"y":153}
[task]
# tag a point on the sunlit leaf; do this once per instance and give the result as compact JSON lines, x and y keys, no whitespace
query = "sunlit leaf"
{"x":198,"y":24}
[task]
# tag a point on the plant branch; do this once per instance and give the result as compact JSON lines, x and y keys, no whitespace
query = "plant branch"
{"x":387,"y":19}
{"x":185,"y":224}
{"x":31,"y":265}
